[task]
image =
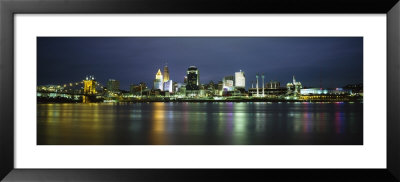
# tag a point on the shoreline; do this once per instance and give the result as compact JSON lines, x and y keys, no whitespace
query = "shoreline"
{"x":221,"y":101}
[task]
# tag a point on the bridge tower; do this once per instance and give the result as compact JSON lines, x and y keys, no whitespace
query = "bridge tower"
{"x":89,"y":88}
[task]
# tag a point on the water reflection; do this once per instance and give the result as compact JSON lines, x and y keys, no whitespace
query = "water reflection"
{"x":158,"y":124}
{"x":200,"y":123}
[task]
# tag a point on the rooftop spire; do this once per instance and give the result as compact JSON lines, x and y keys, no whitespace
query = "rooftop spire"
{"x":159,"y":75}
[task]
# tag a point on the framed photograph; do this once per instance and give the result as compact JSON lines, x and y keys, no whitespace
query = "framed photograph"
{"x":107,"y":91}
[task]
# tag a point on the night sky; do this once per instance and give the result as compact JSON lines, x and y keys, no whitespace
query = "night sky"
{"x":315,"y":61}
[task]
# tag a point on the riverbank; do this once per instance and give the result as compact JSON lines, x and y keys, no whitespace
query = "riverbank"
{"x":358,"y":100}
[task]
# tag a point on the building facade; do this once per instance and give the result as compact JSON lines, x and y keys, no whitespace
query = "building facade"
{"x":158,"y":81}
{"x":168,"y":86}
{"x":228,"y":83}
{"x":166,"y":74}
{"x":240,"y":79}
{"x":193,"y":78}
{"x":113,"y":85}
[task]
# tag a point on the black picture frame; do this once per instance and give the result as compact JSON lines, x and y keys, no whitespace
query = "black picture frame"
{"x":8,"y":8}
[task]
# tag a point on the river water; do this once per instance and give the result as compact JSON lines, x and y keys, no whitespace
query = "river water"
{"x":238,"y":123}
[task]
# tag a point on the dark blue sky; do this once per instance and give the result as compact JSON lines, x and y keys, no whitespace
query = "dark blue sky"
{"x":336,"y":61}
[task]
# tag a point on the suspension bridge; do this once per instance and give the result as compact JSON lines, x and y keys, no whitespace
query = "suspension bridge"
{"x":88,"y":88}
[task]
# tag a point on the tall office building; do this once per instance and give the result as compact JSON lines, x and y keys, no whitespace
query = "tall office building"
{"x":228,"y":83}
{"x":168,"y":86}
{"x":166,"y":73}
{"x":158,"y":82}
{"x":240,"y":79}
{"x":113,"y":85}
{"x":193,"y":78}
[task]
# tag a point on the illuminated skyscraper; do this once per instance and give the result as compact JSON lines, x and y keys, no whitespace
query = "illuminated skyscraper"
{"x":193,"y":78}
{"x":113,"y":85}
{"x":158,"y":82}
{"x":240,"y":79}
{"x":228,"y":82}
{"x":166,"y":73}
{"x":168,"y":86}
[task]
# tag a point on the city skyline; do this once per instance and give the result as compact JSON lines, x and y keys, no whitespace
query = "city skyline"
{"x":62,"y":60}
{"x":91,"y":89}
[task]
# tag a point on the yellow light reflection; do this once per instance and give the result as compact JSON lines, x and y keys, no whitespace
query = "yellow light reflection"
{"x":158,"y":125}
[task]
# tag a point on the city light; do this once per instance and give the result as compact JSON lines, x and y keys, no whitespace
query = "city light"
{"x":230,"y":88}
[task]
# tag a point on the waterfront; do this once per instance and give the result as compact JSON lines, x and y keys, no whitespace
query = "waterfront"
{"x":208,"y":123}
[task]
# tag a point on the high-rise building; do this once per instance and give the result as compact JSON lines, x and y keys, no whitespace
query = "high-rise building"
{"x":166,"y":74}
{"x":113,"y":85}
{"x":168,"y":86}
{"x":158,"y":82}
{"x":193,"y":78}
{"x":228,"y":83}
{"x":240,"y":79}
